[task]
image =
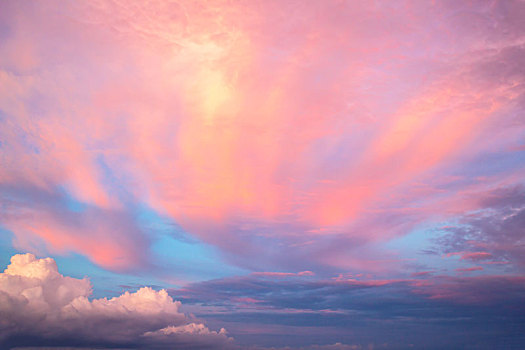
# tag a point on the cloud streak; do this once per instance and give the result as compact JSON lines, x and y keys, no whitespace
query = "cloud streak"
{"x":363,"y":311}
{"x":233,"y":125}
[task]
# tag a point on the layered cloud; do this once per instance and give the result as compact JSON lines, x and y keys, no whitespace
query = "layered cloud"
{"x":480,"y":312}
{"x":39,"y":306}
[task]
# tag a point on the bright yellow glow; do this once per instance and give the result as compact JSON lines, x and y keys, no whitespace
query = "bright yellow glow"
{"x":215,"y":94}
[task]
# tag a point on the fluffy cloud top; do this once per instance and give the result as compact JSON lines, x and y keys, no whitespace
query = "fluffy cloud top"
{"x":40,"y":306}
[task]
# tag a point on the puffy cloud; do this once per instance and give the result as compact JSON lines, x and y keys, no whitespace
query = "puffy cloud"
{"x":40,"y":306}
{"x":185,"y":335}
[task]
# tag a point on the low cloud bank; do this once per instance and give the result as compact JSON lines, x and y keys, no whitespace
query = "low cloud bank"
{"x":39,"y":306}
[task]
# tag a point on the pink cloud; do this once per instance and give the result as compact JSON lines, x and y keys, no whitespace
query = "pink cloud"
{"x":107,"y":236}
{"x":476,"y":256}
{"x":222,"y":117}
{"x":283,"y":274}
{"x":473,"y":256}
{"x":246,"y":300}
{"x":470,"y":269}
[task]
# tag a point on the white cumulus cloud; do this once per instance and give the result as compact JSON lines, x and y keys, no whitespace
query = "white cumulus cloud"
{"x":40,"y":306}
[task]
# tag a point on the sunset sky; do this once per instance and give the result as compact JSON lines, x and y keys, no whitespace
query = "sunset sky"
{"x":262,"y":174}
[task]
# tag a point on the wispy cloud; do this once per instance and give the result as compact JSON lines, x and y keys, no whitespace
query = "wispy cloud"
{"x":233,"y":124}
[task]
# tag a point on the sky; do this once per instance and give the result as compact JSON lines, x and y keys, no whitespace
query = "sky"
{"x":318,"y":175}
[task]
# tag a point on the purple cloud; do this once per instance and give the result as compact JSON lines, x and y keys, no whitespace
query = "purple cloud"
{"x":493,"y":234}
{"x":362,"y":312}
